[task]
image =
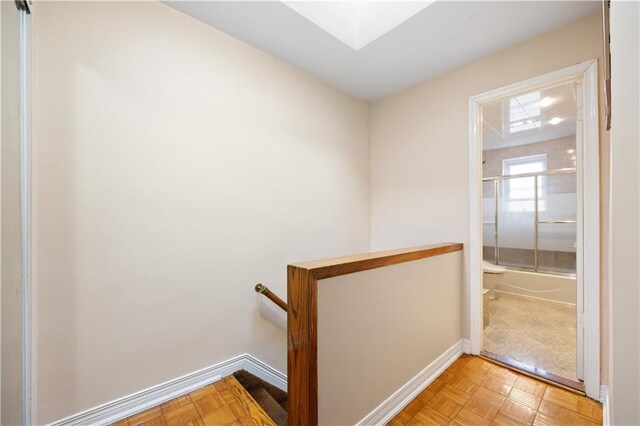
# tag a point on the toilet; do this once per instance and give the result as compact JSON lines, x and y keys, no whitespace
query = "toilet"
{"x":491,"y":274}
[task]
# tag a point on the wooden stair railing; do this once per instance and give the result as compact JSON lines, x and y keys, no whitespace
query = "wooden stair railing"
{"x":264,"y":290}
{"x":302,"y":327}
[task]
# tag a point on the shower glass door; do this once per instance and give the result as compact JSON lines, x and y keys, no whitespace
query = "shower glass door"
{"x":557,"y":229}
{"x":516,"y":219}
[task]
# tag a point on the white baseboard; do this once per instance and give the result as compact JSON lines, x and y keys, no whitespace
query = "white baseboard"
{"x":606,"y":409}
{"x":403,"y":396}
{"x":139,"y":401}
{"x":466,"y":346}
{"x":265,"y":372}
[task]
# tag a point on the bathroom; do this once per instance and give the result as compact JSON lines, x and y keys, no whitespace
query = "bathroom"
{"x":530,"y":225}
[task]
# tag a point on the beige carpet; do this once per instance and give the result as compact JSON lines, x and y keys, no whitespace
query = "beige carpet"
{"x":535,"y":332}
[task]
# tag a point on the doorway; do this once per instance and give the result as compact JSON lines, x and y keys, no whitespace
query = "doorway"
{"x":534,"y":252}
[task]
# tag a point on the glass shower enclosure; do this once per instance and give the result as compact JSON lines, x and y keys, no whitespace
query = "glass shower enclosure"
{"x":530,"y":221}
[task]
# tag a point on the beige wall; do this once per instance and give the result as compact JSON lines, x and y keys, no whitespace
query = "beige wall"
{"x":420,"y":142}
{"x":624,"y":384}
{"x":378,"y":329}
{"x":11,"y":246}
{"x":175,"y":168}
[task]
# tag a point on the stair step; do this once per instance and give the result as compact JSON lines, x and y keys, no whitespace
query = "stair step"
{"x":271,"y":406}
{"x":252,"y":383}
{"x":257,"y":414}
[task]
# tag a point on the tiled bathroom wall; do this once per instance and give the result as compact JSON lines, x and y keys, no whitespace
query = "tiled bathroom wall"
{"x":561,"y":154}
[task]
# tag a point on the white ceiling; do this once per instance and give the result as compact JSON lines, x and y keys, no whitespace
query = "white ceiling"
{"x":541,"y":115}
{"x":440,"y":37}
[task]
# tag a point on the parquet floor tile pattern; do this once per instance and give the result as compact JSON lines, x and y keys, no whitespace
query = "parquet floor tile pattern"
{"x":476,"y":392}
{"x":225,"y":402}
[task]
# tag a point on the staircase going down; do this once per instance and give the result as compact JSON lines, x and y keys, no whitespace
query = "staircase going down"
{"x":272,"y":399}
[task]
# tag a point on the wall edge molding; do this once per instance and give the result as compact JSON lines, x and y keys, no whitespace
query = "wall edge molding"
{"x":466,"y":346}
{"x":606,"y":409}
{"x":383,"y":413}
{"x":265,"y":372}
{"x":137,"y":402}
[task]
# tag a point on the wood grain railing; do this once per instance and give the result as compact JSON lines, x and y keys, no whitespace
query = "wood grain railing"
{"x":302,"y":293}
{"x":264,"y":290}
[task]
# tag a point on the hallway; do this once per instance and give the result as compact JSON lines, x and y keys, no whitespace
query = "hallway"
{"x":476,"y":392}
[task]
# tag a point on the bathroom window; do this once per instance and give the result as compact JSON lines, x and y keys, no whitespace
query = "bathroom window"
{"x":519,"y":193}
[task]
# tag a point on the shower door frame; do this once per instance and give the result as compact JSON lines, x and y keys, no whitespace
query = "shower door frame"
{"x":588,"y":214}
{"x":497,"y":180}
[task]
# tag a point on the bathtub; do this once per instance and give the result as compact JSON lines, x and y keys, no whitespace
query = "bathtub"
{"x":556,"y":288}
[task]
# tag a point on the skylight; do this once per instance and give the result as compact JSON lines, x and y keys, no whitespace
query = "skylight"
{"x":357,"y":23}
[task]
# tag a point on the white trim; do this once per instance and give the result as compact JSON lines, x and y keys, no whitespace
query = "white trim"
{"x":265,"y":372}
{"x":604,"y":394}
{"x":606,"y":409}
{"x":591,"y":232}
{"x":466,"y":346}
{"x":475,"y":218}
{"x":25,"y":209}
{"x":403,"y":396}
{"x":33,"y":285}
{"x":580,"y":230}
{"x":124,"y":407}
{"x":588,"y":270}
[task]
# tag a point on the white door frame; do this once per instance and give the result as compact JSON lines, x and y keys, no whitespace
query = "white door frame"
{"x":588,"y":215}
{"x":28,"y":408}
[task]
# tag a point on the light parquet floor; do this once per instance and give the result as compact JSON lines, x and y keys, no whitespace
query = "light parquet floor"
{"x":225,"y":402}
{"x":476,"y":392}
